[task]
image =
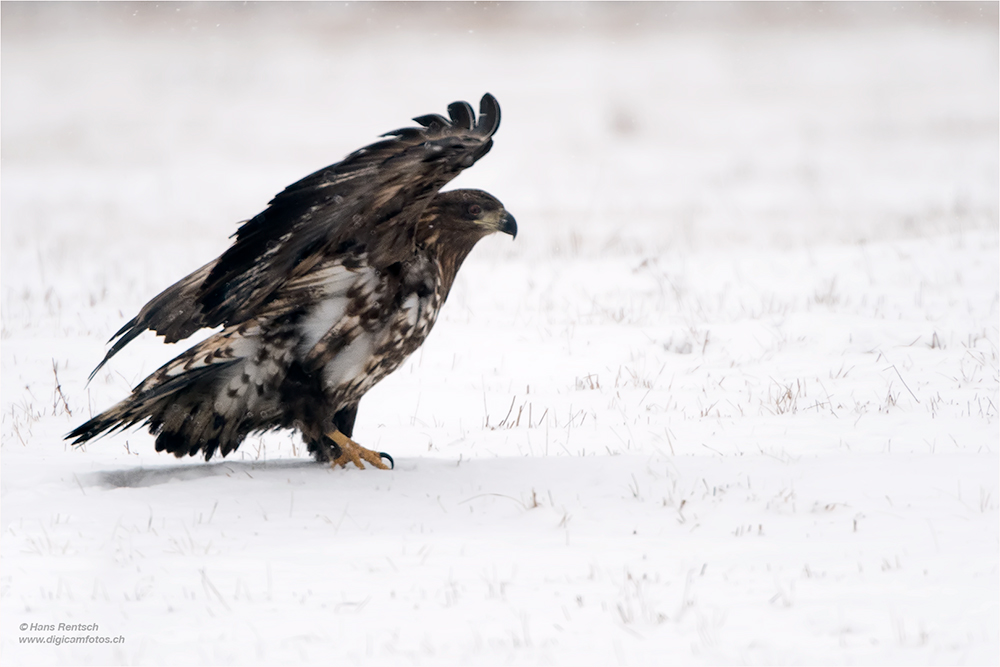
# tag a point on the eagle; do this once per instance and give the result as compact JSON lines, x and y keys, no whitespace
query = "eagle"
{"x":320,"y":296}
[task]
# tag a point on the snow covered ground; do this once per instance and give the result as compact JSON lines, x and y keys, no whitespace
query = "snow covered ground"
{"x":730,"y":397}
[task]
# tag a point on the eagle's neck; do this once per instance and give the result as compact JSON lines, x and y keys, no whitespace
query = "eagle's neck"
{"x":450,"y":257}
{"x":445,"y":244}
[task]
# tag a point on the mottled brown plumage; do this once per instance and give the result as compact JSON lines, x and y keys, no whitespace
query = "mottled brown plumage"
{"x":321,"y":295}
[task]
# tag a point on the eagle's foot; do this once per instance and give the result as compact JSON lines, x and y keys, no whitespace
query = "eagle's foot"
{"x":352,"y":452}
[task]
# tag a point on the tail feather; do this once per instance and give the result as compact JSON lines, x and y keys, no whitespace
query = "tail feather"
{"x":206,"y":400}
{"x":156,"y":405}
{"x":192,"y":425}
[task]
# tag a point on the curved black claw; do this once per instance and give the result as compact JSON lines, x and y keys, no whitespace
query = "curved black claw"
{"x":392,"y":464}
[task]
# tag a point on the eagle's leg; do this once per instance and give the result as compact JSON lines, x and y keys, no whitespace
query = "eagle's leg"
{"x":352,"y":452}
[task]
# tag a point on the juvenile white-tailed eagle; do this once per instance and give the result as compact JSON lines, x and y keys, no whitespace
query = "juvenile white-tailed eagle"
{"x":321,"y":295}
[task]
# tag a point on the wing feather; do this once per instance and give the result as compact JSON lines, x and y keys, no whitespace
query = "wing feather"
{"x":175,"y":314}
{"x":462,"y":115}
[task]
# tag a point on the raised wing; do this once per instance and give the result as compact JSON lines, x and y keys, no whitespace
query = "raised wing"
{"x":372,"y":198}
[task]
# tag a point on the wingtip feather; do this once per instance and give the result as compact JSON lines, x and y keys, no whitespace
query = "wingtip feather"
{"x":462,"y":114}
{"x":125,"y":335}
{"x":489,"y":115}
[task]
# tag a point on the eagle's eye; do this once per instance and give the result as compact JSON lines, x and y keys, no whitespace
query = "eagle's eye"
{"x":475,"y":209}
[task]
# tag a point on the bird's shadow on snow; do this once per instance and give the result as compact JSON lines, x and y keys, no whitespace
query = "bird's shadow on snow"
{"x":140,"y":477}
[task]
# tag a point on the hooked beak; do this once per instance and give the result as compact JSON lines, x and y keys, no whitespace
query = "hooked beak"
{"x":508,"y":225}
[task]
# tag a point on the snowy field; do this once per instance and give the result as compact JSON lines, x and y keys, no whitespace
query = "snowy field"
{"x":730,"y":397}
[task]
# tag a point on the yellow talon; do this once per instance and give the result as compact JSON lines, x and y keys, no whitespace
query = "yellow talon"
{"x":352,"y":452}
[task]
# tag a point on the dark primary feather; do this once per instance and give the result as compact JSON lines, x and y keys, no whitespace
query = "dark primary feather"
{"x":321,"y":295}
{"x":461,"y":114}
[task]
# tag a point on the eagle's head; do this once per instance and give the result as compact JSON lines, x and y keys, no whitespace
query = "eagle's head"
{"x":462,"y":217}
